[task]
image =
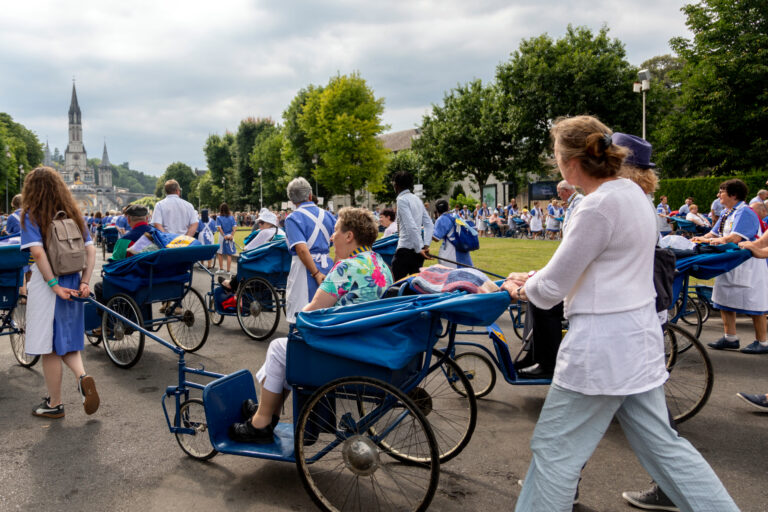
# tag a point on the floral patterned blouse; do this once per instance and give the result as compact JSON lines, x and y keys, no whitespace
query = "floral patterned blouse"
{"x":360,"y":278}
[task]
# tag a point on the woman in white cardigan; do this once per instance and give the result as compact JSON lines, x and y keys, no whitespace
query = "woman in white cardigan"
{"x":611,"y":362}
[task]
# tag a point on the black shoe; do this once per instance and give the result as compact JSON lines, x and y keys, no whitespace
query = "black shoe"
{"x":247,"y":433}
{"x":249,"y":408}
{"x":650,"y":499}
{"x":44,"y":410}
{"x":535,"y":372}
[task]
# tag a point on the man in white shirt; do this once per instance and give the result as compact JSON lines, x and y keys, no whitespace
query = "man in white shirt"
{"x":414,"y":227}
{"x":683,"y":211}
{"x":761,"y":196}
{"x":173,"y":214}
{"x":571,"y":199}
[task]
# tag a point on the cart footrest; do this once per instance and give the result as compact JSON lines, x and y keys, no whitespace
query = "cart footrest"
{"x":281,"y":449}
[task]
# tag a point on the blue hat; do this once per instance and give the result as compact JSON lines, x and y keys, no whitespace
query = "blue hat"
{"x":640,"y":150}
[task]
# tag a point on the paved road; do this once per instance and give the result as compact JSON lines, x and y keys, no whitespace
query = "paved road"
{"x":124,"y":458}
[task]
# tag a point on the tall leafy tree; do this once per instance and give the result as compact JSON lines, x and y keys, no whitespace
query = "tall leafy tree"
{"x":435,"y":184}
{"x":267,"y":157}
{"x":581,"y":73}
{"x":180,"y":172}
{"x":341,"y":123}
{"x":720,"y":121}
{"x":24,"y":149}
{"x":465,"y":136}
{"x":245,"y":140}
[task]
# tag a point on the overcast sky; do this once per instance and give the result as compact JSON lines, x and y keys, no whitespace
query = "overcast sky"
{"x":155,"y":78}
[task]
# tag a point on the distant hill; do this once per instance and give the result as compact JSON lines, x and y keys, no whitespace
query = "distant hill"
{"x":125,"y":177}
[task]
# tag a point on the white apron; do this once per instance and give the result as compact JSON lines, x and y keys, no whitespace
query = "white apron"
{"x":746,"y":286}
{"x":535,"y":220}
{"x":41,"y":306}
{"x":297,"y":287}
{"x":206,"y":235}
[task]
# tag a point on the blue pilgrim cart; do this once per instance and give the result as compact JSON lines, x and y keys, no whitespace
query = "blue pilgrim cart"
{"x":12,"y":311}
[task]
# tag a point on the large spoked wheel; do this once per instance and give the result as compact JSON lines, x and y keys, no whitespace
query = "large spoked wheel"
{"x":197,"y":445}
{"x":216,"y":319}
{"x":447,"y":400}
{"x":19,"y":324}
{"x":93,"y":339}
{"x":189,"y":329}
{"x":339,"y":446}
{"x":518,"y":318}
{"x":691,"y":315}
{"x":701,"y":306}
{"x":123,"y":343}
{"x":258,"y":308}
{"x":479,"y":371}
{"x":690,"y":373}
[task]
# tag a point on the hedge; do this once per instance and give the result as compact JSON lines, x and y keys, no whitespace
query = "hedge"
{"x":704,"y":190}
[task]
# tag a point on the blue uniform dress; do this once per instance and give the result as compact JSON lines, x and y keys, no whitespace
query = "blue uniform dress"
{"x":745,"y":288}
{"x":12,"y":225}
{"x":206,"y":231}
{"x":445,"y":230}
{"x":313,"y":227}
{"x":227,"y":225}
{"x":64,"y":333}
{"x":122,"y":223}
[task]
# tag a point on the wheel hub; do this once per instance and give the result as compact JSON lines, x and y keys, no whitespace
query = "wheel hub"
{"x":188,"y":318}
{"x":422,"y":399}
{"x":361,"y":456}
{"x":118,"y":331}
{"x":255,"y":308}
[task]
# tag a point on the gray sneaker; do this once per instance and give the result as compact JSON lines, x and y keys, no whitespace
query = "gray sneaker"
{"x":650,"y":499}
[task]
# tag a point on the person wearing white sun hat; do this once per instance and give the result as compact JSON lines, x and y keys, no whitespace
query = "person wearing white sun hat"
{"x":268,"y":229}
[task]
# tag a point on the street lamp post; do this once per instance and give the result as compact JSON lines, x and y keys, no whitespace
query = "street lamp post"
{"x":314,"y":164}
{"x":643,"y":85}
{"x":261,"y":190}
{"x":21,"y":177}
{"x":8,"y":156}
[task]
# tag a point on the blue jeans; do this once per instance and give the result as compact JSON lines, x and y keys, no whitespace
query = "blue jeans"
{"x":570,"y":427}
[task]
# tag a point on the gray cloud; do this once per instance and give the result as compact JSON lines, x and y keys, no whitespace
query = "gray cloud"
{"x":156,"y":78}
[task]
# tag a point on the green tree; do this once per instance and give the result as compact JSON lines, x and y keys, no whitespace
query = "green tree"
{"x":465,"y":136}
{"x":435,"y":184}
{"x":24,"y":149}
{"x":267,"y":156}
{"x":220,"y":156}
{"x":720,"y":121}
{"x":245,"y":140}
{"x":341,"y":123}
{"x":664,"y":92}
{"x":581,"y":73}
{"x":149,"y":201}
{"x":208,"y":193}
{"x":180,"y":172}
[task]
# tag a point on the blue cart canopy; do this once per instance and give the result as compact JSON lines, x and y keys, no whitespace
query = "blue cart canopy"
{"x":390,"y":332}
{"x":270,"y":258}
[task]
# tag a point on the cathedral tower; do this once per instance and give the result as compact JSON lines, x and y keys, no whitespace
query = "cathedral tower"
{"x":105,"y":170}
{"x":75,"y":158}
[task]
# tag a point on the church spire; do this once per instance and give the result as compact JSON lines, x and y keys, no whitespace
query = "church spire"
{"x":74,"y":108}
{"x":104,"y":156}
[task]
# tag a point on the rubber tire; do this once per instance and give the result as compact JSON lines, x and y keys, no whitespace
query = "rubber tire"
{"x":463,"y":361}
{"x":129,"y":307}
{"x":202,"y":429}
{"x":430,"y":463}
{"x":19,"y":318}
{"x":92,"y":339}
{"x":692,"y":365}
{"x":216,"y":319}
{"x":518,"y":322}
{"x":701,"y":306}
{"x":265,"y":333}
{"x":194,"y":300}
{"x":692,"y":317}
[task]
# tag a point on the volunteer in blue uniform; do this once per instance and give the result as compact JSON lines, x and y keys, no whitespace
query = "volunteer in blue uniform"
{"x":12,"y":225}
{"x":445,"y":232}
{"x":744,"y":289}
{"x":206,"y":227}
{"x":226,"y":224}
{"x":308,"y":232}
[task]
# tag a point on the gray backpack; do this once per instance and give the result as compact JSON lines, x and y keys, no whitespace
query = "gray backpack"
{"x":65,"y":246}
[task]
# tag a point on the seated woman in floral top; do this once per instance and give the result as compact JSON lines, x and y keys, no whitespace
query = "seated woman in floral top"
{"x":359,"y":275}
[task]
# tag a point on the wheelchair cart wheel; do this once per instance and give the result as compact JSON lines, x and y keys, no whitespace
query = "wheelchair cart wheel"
{"x":19,"y":322}
{"x":518,"y":319}
{"x":189,"y":330}
{"x":701,"y":306}
{"x":690,"y":373}
{"x":478,"y":369}
{"x":216,"y":319}
{"x":197,"y":445}
{"x":92,"y":338}
{"x":691,"y":316}
{"x":123,"y":343}
{"x":104,"y":251}
{"x":258,"y":308}
{"x":339,"y":451}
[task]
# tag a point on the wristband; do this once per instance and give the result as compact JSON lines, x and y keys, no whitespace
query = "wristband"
{"x":53,"y":282}
{"x":313,"y":274}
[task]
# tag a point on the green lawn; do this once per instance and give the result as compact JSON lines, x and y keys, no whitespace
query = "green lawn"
{"x":498,"y":255}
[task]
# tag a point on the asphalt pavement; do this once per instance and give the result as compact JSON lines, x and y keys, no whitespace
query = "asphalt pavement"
{"x":124,"y":458}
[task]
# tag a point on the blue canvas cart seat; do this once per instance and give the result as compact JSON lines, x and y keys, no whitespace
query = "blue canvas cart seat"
{"x":155,"y":276}
{"x":386,"y":247}
{"x":689,"y":227}
{"x":111,"y":235}
{"x":707,"y":266}
{"x":384,"y":339}
{"x":12,"y":262}
{"x":270,"y":261}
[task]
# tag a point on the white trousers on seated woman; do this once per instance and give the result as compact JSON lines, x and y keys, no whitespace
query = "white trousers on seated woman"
{"x":272,"y":372}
